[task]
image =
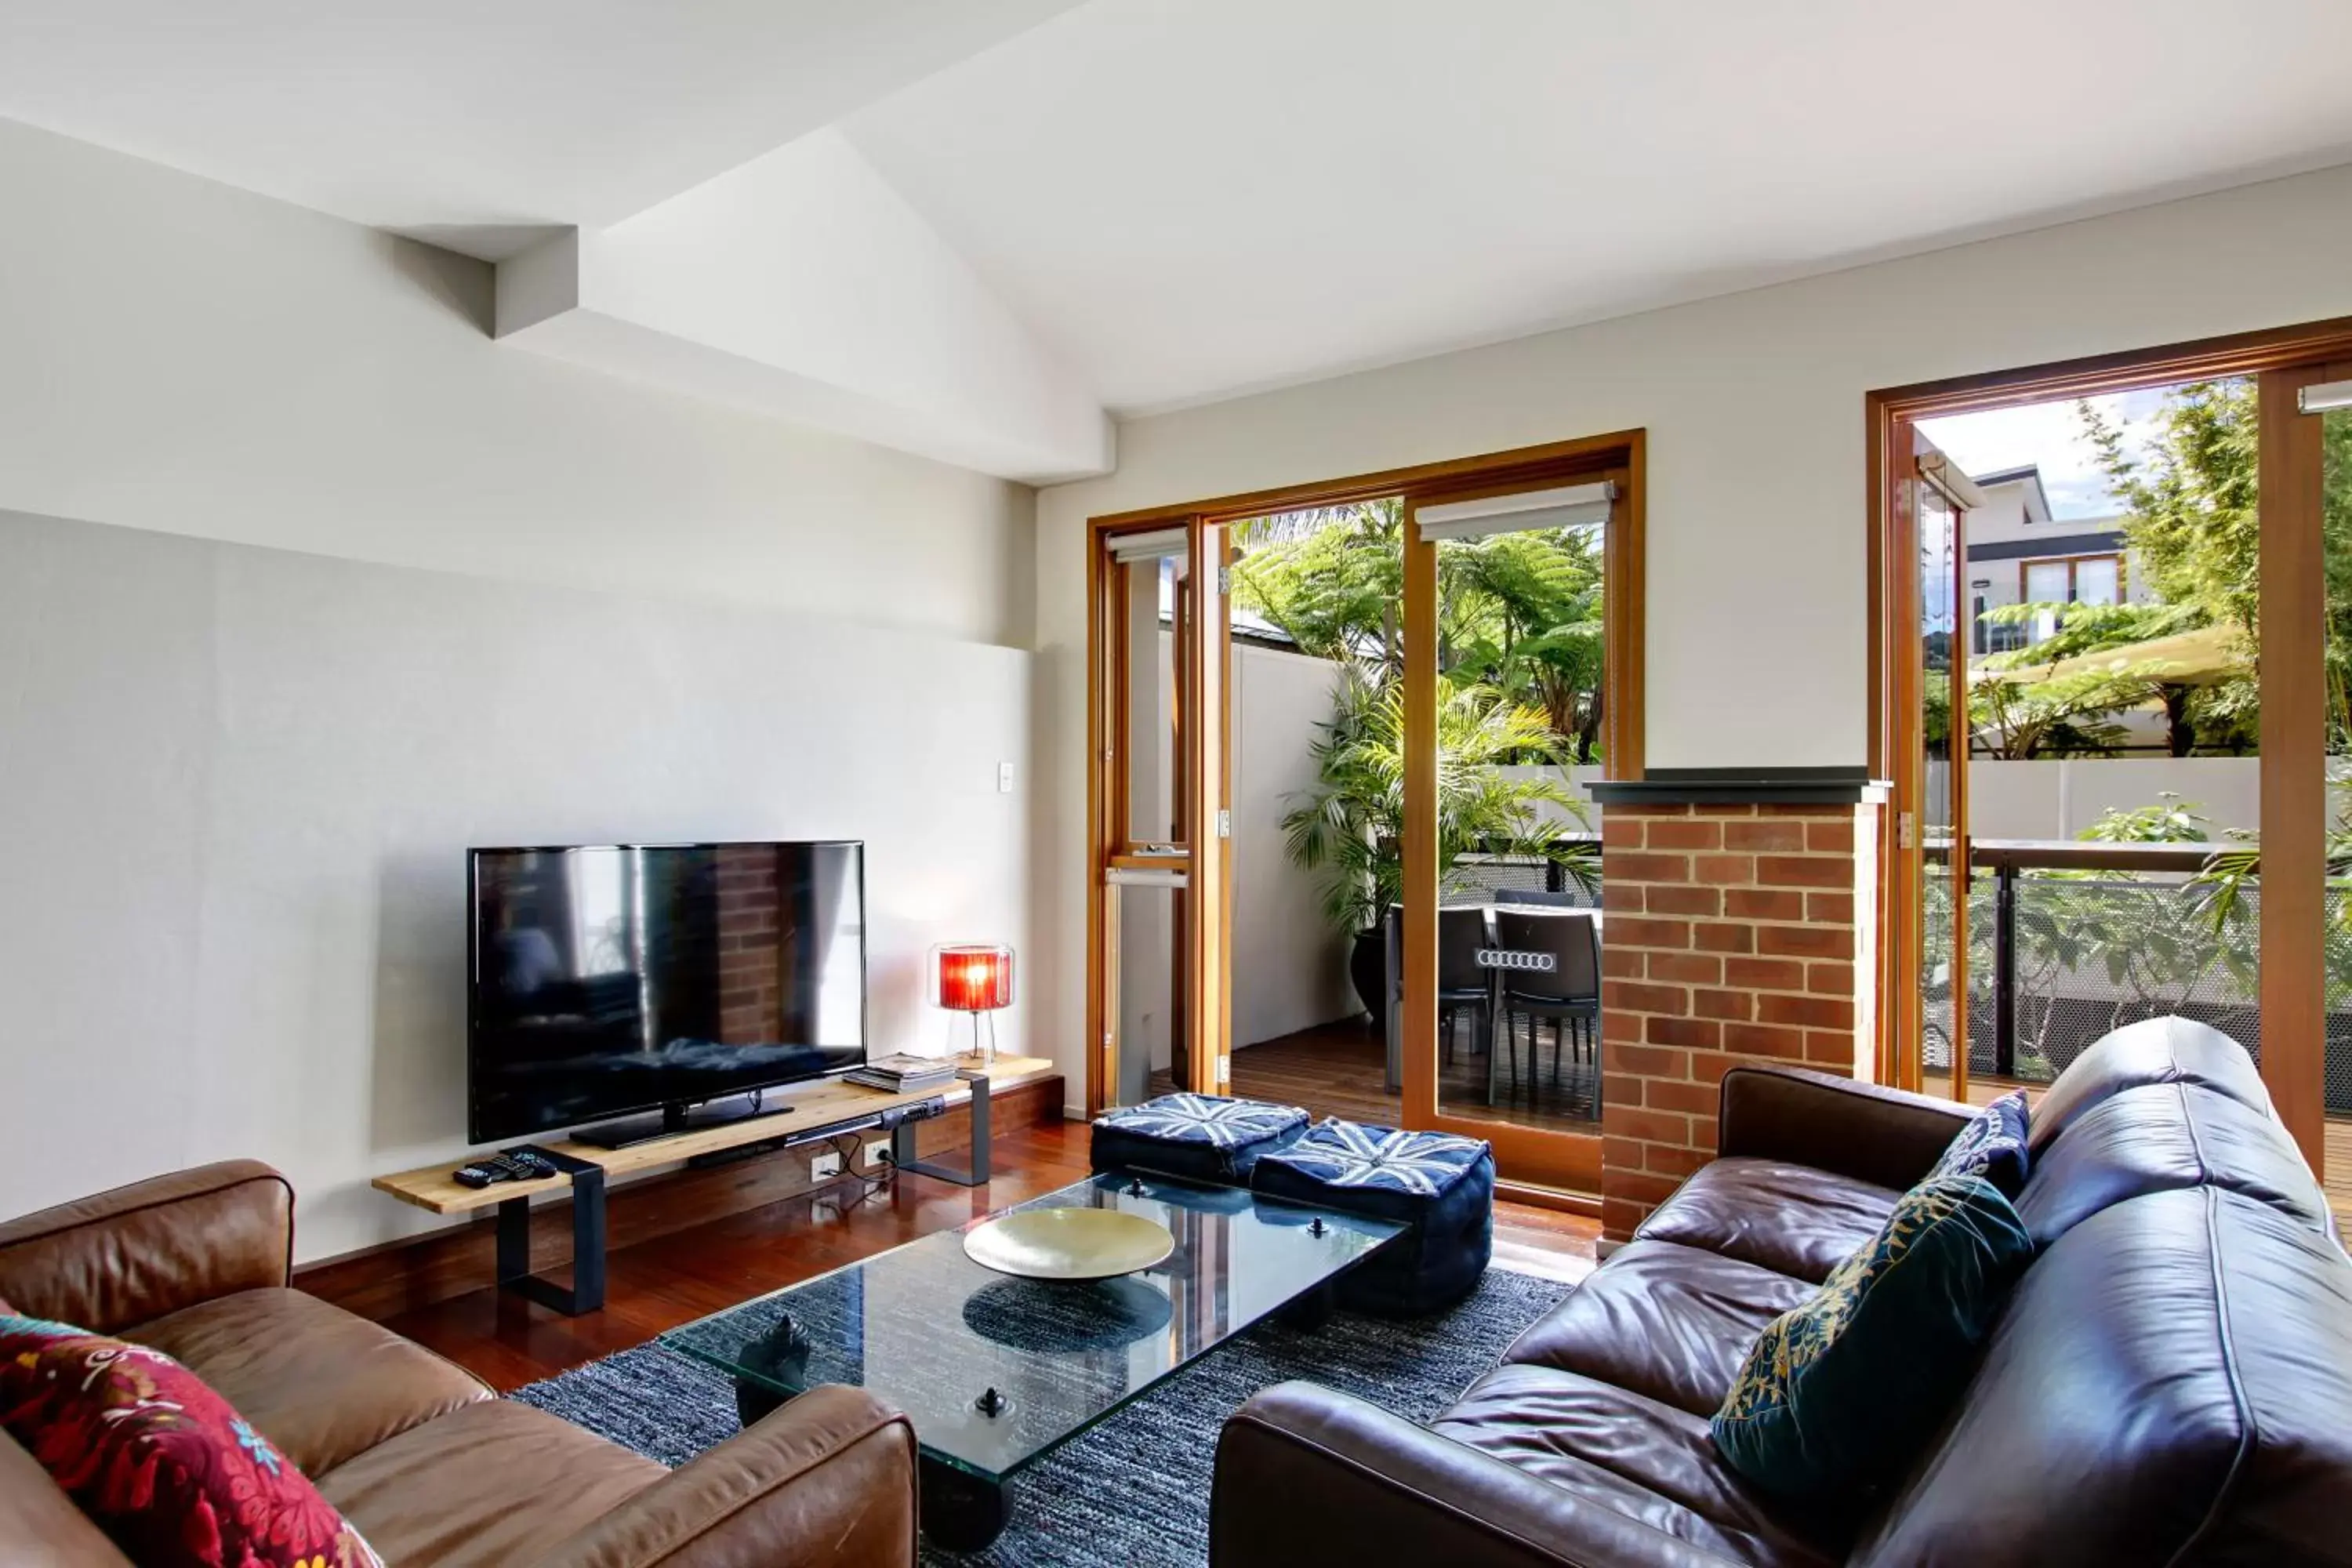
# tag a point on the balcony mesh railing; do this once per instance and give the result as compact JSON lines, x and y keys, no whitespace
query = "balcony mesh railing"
{"x":2068,"y":940}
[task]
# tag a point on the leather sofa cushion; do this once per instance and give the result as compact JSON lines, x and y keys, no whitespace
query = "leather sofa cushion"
{"x":2167,"y":1386}
{"x":318,"y":1382}
{"x":1608,"y":1448}
{"x":492,"y":1484}
{"x":1666,"y":1322}
{"x":2160,"y":1136}
{"x":2159,"y":1050}
{"x":1792,"y":1220}
{"x":39,"y":1525}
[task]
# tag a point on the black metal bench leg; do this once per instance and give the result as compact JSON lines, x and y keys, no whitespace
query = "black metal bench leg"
{"x":587,"y":1290}
{"x":975,"y":1175}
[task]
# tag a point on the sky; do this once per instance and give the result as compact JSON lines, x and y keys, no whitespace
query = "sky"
{"x":2050,"y":435}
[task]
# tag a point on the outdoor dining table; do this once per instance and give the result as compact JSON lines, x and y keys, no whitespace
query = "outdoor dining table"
{"x":1395,"y":963}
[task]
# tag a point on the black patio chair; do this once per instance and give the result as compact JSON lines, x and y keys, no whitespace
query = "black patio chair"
{"x":1462,"y":985}
{"x":1568,"y":992}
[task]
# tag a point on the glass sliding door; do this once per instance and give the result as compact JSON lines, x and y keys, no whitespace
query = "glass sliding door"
{"x":1929,"y":901}
{"x":1506,"y":715}
{"x":1156,"y":961}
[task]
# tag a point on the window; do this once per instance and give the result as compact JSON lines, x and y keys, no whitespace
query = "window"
{"x":2076,"y":580}
{"x":2096,"y":581}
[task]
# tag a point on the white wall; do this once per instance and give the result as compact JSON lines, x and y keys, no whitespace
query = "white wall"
{"x":181,"y":356}
{"x":2061,"y":797}
{"x":236,"y":785}
{"x":1290,"y":968}
{"x":1754,"y":407}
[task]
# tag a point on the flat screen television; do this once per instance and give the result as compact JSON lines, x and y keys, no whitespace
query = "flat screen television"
{"x":611,"y":980}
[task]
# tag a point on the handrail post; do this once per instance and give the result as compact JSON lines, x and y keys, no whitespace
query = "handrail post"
{"x":2004,"y":968}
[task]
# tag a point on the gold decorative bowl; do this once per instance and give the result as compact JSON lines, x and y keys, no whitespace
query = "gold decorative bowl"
{"x":1069,"y":1244}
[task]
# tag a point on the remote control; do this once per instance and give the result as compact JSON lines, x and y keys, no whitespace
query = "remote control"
{"x":516,"y":1166}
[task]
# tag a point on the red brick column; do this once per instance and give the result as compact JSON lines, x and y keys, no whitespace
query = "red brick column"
{"x":1735,"y":933}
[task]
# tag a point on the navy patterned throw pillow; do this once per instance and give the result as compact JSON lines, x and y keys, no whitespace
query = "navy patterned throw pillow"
{"x":1837,"y":1395}
{"x":1992,"y":1145}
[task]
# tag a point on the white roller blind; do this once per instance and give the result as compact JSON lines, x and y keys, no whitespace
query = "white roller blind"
{"x":1160,"y":544}
{"x":1568,"y":506}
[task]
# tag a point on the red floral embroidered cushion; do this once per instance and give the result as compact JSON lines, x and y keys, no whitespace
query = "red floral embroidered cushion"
{"x":158,"y":1460}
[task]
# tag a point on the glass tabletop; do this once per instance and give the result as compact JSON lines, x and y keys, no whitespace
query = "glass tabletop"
{"x":931,"y":1331}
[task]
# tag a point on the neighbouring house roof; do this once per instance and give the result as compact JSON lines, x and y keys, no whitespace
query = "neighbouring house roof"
{"x":2049,"y":544}
{"x":2030,"y":474}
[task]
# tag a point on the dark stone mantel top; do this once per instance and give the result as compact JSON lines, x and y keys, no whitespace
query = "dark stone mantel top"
{"x":1736,"y":786}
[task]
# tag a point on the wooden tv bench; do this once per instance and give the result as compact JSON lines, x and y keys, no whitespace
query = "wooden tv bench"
{"x":808,"y":1112}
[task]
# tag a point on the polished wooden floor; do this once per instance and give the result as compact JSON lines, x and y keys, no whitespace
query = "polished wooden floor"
{"x":1335,"y":1069}
{"x":657,"y":1285}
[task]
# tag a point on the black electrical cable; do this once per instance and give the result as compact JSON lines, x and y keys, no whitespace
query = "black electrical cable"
{"x":874,"y":1185}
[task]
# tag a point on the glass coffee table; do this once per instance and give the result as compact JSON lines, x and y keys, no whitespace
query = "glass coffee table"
{"x":996,"y":1372}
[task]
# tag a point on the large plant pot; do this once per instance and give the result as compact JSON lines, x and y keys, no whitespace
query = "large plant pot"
{"x":1368,"y":971}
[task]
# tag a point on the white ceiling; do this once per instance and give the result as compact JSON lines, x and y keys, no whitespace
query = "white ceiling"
{"x":478,"y":123}
{"x":1194,"y":198}
{"x":1183,"y":199}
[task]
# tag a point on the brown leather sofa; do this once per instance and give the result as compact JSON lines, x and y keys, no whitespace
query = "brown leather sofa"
{"x":2170,"y":1383}
{"x":415,"y":1451}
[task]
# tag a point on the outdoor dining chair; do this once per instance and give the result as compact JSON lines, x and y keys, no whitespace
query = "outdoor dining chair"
{"x":1568,"y":992}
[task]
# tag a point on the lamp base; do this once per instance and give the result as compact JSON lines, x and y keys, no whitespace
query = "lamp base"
{"x":985,"y":1050}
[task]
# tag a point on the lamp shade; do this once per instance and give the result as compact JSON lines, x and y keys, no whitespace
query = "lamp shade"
{"x":974,"y":978}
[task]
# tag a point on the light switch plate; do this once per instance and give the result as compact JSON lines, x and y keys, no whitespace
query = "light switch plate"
{"x":1005,"y":778}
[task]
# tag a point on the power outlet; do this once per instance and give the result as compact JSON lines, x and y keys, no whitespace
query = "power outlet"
{"x":878,"y":1154}
{"x":824,"y":1167}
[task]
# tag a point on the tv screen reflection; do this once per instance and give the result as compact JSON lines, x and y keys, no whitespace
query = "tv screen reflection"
{"x":617,"y":979}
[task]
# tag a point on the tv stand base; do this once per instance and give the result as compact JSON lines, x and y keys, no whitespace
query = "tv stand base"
{"x":820,"y":1109}
{"x":972,"y":1174}
{"x":587,"y":1291}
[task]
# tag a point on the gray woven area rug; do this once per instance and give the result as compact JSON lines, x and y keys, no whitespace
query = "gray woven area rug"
{"x":1134,"y":1492}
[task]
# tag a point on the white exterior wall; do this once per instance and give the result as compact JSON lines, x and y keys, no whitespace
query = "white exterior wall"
{"x":1290,"y":968}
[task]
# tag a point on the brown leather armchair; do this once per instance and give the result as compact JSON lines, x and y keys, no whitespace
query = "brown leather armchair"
{"x":435,"y":1471}
{"x":2171,"y":1382}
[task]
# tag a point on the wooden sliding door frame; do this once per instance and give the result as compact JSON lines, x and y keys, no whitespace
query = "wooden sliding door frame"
{"x":2294,"y":816}
{"x":1528,"y":1155}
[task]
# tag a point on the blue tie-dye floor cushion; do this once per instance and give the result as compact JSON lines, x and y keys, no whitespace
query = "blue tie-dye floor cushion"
{"x":1195,"y":1136}
{"x":1443,"y":1186}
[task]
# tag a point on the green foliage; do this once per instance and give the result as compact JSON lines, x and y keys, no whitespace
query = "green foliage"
{"x":1518,"y":613}
{"x":2171,"y":820}
{"x":2062,"y":715}
{"x":2083,"y":628}
{"x":1521,"y":647}
{"x":1350,"y":824}
{"x":1332,"y":581}
{"x":2193,"y":524}
{"x":1522,"y":614}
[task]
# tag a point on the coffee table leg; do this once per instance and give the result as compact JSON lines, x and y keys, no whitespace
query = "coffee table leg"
{"x":961,"y":1511}
{"x":1310,"y":1311}
{"x":754,"y":1403}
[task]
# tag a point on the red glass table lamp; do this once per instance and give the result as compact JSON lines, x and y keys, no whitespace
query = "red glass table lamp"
{"x":974,"y":978}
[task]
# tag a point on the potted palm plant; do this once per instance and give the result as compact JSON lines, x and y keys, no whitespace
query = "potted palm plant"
{"x":1350,"y":826}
